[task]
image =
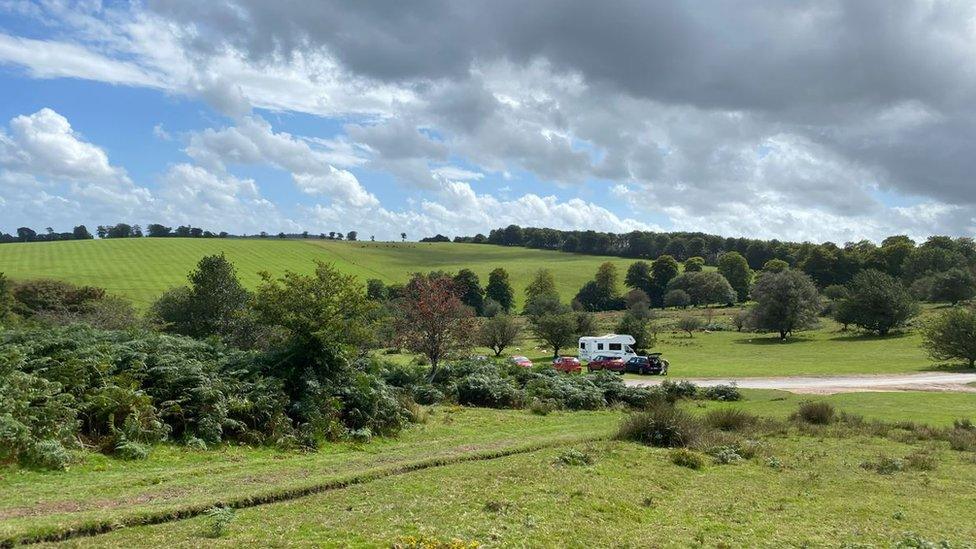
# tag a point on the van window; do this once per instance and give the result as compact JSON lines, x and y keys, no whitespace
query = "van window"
{"x":599,"y":346}
{"x":582,"y":345}
{"x":615,"y":346}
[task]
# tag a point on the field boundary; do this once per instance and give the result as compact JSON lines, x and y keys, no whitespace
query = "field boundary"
{"x":104,"y":526}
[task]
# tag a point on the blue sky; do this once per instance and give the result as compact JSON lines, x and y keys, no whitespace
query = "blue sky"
{"x":333,"y":116}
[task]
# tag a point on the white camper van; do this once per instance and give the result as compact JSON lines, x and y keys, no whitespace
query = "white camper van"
{"x":609,"y":345}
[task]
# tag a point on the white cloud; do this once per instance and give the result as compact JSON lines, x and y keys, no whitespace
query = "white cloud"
{"x":253,"y":141}
{"x":52,"y":59}
{"x":44,"y":144}
{"x":453,"y":173}
{"x":194,"y":196}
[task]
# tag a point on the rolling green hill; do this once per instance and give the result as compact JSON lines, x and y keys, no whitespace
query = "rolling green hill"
{"x":141,"y":269}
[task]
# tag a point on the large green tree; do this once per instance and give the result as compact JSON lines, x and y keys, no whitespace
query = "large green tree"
{"x":498,"y":333}
{"x":785,"y":303}
{"x":954,"y":285}
{"x":469,"y":290}
{"x":663,"y":269}
{"x":952,"y":335}
{"x":602,"y":293}
{"x":541,"y":295}
{"x":734,"y":267}
{"x":500,"y":290}
{"x":879,"y":302}
{"x":639,"y":277}
{"x":557,"y":331}
{"x":703,"y":287}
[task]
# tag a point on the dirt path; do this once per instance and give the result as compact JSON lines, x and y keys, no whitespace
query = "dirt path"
{"x":924,"y":381}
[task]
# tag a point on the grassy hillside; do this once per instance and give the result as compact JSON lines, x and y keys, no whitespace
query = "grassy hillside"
{"x":140,"y":269}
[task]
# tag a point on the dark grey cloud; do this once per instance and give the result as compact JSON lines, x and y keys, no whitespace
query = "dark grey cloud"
{"x":705,"y":107}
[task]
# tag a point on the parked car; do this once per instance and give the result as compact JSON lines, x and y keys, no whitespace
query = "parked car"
{"x":521,"y":361}
{"x":603,"y":362}
{"x":568,"y":364}
{"x":650,"y":364}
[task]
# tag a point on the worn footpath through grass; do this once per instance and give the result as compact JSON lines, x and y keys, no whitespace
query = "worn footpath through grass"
{"x":801,"y":491}
{"x":177,"y":482}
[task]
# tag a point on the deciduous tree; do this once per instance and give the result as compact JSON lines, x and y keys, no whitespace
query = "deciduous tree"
{"x":736,"y":270}
{"x":557,"y":331}
{"x":952,"y":336}
{"x":879,"y":303}
{"x":499,"y":333}
{"x":432,"y":319}
{"x":785,"y":303}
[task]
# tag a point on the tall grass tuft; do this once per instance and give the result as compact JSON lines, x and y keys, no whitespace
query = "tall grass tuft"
{"x":662,"y":425}
{"x":816,"y":413}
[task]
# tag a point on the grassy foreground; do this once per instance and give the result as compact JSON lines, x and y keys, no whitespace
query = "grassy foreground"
{"x":494,"y":476}
{"x":102,"y":490}
{"x":630,"y":496}
{"x":141,"y":269}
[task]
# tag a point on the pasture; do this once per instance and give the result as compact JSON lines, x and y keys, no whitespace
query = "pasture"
{"x":509,"y":479}
{"x":141,"y":269}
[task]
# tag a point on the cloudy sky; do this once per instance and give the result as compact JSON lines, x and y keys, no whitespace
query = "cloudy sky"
{"x":796,"y":120}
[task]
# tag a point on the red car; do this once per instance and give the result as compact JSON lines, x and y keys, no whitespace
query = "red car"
{"x":611,"y":363}
{"x":521,"y":361}
{"x":568,"y":364}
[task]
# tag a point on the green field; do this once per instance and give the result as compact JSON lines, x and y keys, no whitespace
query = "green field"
{"x":494,"y":477}
{"x":141,"y":269}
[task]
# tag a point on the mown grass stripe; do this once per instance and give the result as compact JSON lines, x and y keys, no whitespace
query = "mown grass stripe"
{"x":105,"y":526}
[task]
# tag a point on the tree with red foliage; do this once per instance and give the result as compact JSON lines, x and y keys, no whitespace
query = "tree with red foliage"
{"x":432,"y":319}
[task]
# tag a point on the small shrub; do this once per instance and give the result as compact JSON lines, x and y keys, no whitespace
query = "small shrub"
{"x":730,"y":419}
{"x":426,"y":395}
{"x":816,"y":413}
{"x":661,"y":425}
{"x":362,"y":436}
{"x":962,"y":440}
{"x":496,"y":506}
{"x":47,"y":454}
{"x":574,"y":457}
{"x":219,"y":521}
{"x":774,"y":462}
{"x":965,"y":424}
{"x":884,"y":465}
{"x":726,"y":455}
{"x":686,"y":458}
{"x":195,"y":443}
{"x":130,"y":450}
{"x":911,"y":540}
{"x":489,"y":391}
{"x":723,"y":393}
{"x":678,"y":390}
{"x":543,"y":406}
{"x":920,"y":460}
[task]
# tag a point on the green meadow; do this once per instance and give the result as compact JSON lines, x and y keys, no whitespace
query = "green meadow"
{"x":502,"y":479}
{"x":141,"y":269}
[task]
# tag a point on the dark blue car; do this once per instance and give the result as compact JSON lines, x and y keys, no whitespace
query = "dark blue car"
{"x":644,"y":365}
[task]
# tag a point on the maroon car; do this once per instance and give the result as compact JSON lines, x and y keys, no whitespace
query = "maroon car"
{"x":611,"y":363}
{"x":568,"y":364}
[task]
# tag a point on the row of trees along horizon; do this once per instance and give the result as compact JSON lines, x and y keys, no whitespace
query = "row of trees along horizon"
{"x":290,"y":362}
{"x":155,"y":230}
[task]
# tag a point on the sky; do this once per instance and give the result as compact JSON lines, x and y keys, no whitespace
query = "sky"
{"x":798,"y":120}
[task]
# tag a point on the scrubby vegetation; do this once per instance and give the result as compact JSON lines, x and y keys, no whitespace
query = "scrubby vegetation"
{"x":118,"y":391}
